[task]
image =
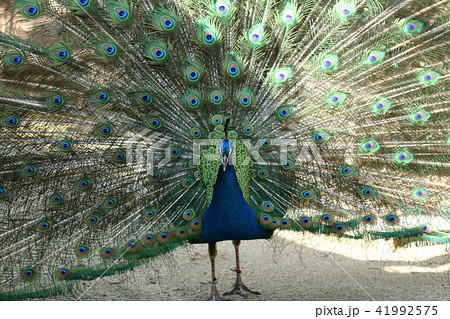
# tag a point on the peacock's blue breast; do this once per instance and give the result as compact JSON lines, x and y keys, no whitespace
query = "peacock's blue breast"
{"x":229,"y":217}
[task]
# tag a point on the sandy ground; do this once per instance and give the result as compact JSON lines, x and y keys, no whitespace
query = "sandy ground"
{"x":289,"y":267}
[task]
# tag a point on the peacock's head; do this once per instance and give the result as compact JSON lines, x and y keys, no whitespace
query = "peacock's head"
{"x":226,"y":147}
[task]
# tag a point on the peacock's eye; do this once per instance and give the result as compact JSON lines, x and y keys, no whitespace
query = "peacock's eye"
{"x":83,"y":2}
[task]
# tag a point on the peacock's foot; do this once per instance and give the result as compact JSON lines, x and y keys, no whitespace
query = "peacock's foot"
{"x":215,"y":296}
{"x":239,"y":288}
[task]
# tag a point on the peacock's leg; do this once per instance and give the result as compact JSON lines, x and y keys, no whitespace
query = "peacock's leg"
{"x":239,"y":288}
{"x":214,"y":296}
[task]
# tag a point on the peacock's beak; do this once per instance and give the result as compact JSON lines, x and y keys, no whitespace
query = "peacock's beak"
{"x":224,"y":162}
{"x":225,"y":152}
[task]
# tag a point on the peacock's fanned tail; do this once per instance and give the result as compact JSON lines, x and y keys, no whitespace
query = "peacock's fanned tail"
{"x":112,"y":112}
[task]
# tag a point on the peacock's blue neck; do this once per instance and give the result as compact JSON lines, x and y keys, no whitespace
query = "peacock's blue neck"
{"x":229,"y":217}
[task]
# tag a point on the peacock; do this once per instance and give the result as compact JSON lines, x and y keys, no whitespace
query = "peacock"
{"x":132,"y":127}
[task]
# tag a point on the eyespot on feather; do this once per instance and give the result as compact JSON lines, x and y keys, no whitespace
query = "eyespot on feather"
{"x":305,"y":222}
{"x":196,"y":223}
{"x":267,"y":206}
{"x":338,"y":229}
{"x":285,"y":223}
{"x":165,"y":237}
{"x":369,"y":219}
{"x":326,"y":218}
{"x":28,"y":170}
{"x":82,"y":251}
{"x":425,"y":228}
{"x":63,"y":273}
{"x":182,"y":233}
{"x":29,"y":274}
{"x":108,"y":252}
{"x":265,"y":219}
{"x":148,"y":239}
{"x":275,"y":223}
{"x":391,"y":219}
{"x":132,"y":247}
